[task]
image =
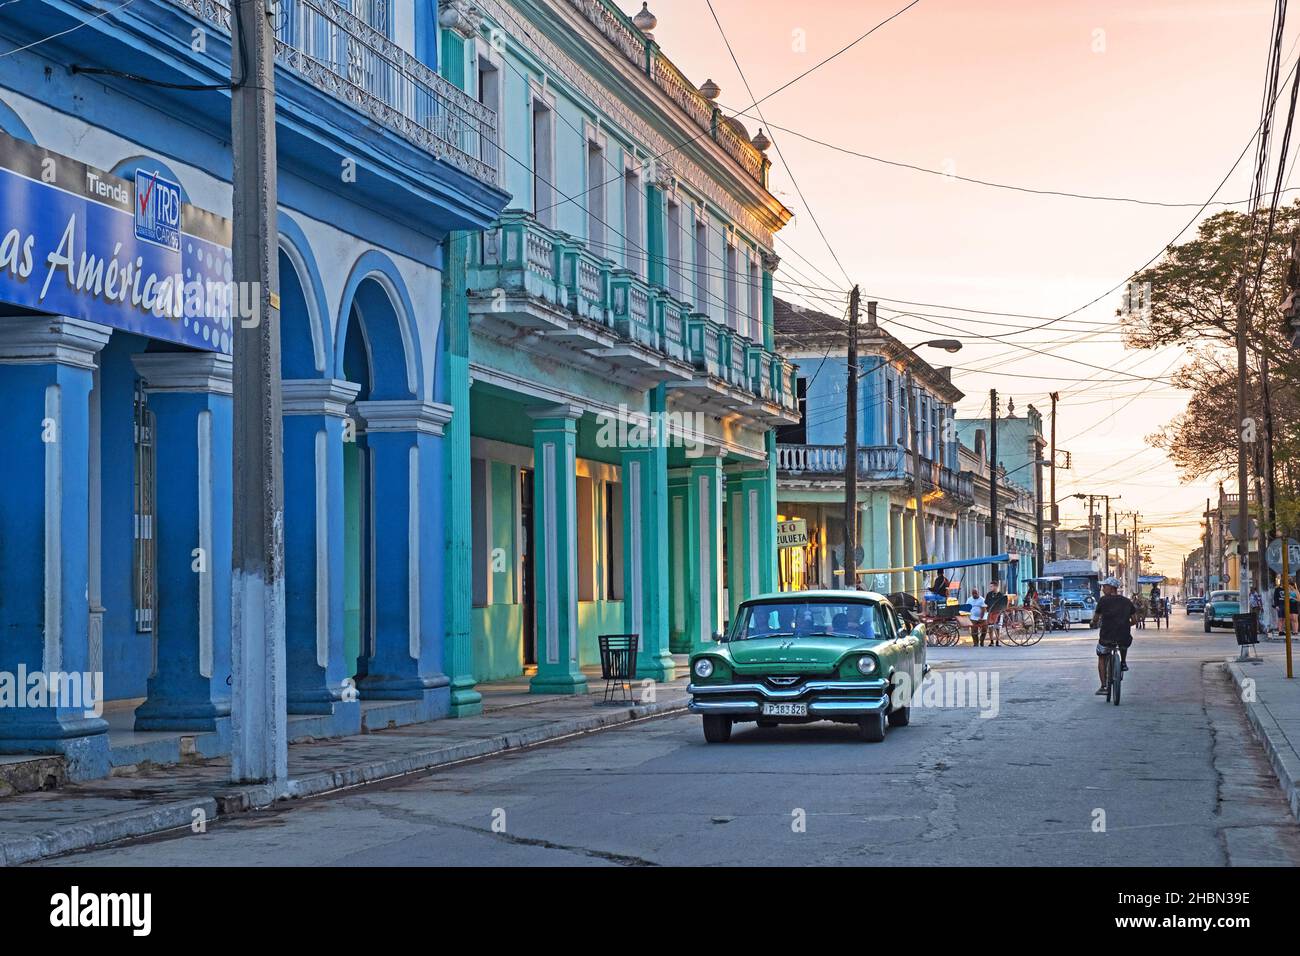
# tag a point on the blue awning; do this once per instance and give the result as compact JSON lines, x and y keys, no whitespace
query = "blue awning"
{"x":965,"y":563}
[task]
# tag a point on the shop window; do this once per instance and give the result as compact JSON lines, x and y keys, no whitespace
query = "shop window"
{"x":144,"y":553}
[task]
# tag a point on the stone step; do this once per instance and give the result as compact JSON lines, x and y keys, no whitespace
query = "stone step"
{"x":27,"y":774}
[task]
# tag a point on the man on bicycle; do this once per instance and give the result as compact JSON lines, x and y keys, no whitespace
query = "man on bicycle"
{"x":1115,"y":614}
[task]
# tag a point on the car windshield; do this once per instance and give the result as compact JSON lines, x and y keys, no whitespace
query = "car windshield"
{"x":1224,"y":596}
{"x":799,"y":619}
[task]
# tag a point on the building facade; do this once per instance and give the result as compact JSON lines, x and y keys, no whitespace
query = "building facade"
{"x":905,"y":405}
{"x":529,"y":388}
{"x":1016,"y":531}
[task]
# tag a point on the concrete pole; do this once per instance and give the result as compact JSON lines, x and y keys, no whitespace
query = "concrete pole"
{"x":259,"y":751}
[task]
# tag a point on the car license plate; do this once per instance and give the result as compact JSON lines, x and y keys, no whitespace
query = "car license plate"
{"x":785,"y":710}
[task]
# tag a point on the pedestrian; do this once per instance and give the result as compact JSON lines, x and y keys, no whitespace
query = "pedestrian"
{"x":977,"y":624}
{"x":1256,"y":603}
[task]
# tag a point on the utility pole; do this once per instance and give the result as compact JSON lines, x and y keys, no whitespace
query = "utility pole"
{"x":1205,"y":556}
{"x":259,"y":749}
{"x":1106,"y":536}
{"x":1137,"y":554}
{"x":1038,"y":517}
{"x":1243,"y":491}
{"x":995,"y":542}
{"x":1056,"y":396}
{"x":851,"y":450}
{"x":918,"y":488}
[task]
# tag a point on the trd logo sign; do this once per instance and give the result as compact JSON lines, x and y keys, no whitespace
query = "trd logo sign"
{"x":157,"y":210}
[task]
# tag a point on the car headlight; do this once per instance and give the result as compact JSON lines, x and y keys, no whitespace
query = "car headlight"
{"x":704,"y":668}
{"x":866,"y":665}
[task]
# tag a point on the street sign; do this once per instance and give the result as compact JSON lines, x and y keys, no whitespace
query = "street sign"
{"x":1274,"y":554}
{"x":792,"y":534}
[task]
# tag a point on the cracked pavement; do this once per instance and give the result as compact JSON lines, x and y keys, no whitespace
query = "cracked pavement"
{"x":1174,"y":774}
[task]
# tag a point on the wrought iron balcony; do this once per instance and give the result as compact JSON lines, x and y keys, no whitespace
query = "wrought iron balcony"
{"x":875,"y":463}
{"x":577,"y":306}
{"x":337,"y":52}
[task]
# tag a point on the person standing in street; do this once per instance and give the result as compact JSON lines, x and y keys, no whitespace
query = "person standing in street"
{"x":1116,"y":615}
{"x":977,"y":625}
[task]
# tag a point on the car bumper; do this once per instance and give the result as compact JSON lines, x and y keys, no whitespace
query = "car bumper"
{"x":826,"y":700}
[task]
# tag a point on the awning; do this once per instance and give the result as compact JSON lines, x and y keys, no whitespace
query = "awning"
{"x":966,"y":563}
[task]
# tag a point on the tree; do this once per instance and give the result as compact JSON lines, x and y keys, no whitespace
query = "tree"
{"x":1189,"y":298}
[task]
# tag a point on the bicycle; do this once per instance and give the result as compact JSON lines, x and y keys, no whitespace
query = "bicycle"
{"x":1114,"y":674}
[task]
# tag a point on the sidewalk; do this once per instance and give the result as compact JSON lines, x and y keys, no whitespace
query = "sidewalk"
{"x":1272,"y":705}
{"x":35,"y":826}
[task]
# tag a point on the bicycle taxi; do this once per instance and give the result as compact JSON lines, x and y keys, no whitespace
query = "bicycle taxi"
{"x":1018,"y":625}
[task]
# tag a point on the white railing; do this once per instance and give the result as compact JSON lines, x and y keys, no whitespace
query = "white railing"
{"x":341,"y":54}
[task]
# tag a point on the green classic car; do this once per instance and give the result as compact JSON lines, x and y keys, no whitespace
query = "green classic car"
{"x":800,"y":656}
{"x":1219,"y":608}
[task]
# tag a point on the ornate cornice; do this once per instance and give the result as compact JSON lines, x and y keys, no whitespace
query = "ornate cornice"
{"x":683,"y":169}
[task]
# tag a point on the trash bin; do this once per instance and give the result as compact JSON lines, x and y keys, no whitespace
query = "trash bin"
{"x":618,"y":664}
{"x":1247,"y":628}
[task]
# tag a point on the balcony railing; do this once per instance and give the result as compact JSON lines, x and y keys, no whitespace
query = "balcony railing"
{"x":342,"y":55}
{"x":875,"y":462}
{"x":519,"y":258}
{"x":618,"y":28}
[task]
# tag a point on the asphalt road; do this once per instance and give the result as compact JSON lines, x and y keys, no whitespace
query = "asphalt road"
{"x":1055,"y":777}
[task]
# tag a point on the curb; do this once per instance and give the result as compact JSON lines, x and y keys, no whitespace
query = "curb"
{"x":84,"y":836}
{"x":257,"y":797}
{"x":1281,"y":756}
{"x":171,"y":816}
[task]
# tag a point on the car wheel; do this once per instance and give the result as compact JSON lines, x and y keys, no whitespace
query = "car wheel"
{"x":900,"y":717}
{"x":872,"y":727}
{"x":717,"y":729}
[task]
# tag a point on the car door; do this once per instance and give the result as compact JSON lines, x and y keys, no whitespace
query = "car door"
{"x":907,"y":646}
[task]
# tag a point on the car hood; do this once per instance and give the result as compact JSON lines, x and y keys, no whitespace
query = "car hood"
{"x":793,"y":654}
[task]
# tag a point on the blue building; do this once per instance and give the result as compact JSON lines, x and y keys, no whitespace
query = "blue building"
{"x":530,"y":388}
{"x":905,"y":411}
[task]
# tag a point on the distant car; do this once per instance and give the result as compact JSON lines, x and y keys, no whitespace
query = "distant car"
{"x":1220,"y":608}
{"x":1196,"y":604}
{"x":796,"y":657}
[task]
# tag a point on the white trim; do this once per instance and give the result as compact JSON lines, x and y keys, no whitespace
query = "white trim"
{"x":52,"y":656}
{"x":571,"y":591}
{"x":202,"y":372}
{"x":204,"y":428}
{"x":322,"y":550}
{"x":707,"y":567}
{"x":413,"y":548}
{"x":406,"y":415}
{"x":317,"y":396}
{"x":633,"y":508}
{"x":550,"y":535}
{"x":40,"y":340}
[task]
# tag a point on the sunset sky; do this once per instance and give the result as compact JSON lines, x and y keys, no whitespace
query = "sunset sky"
{"x":1148,"y":99}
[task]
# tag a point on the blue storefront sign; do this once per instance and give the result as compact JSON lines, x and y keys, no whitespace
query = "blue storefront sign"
{"x":81,"y":242}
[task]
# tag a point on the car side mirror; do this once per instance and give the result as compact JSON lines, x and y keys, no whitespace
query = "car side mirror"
{"x":717,"y":637}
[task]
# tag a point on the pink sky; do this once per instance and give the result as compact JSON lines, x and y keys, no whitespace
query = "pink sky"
{"x":1151,"y":99}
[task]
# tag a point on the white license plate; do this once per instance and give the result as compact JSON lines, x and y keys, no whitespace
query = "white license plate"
{"x":785,"y":710}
